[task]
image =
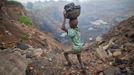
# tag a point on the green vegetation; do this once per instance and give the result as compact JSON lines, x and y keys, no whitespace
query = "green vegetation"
{"x":24,"y":37}
{"x":11,"y":2}
{"x":25,"y":20}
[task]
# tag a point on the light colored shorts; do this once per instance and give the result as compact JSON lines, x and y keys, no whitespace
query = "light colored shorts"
{"x":76,"y":51}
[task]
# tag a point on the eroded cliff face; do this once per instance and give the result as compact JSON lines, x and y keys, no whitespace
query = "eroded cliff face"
{"x":12,"y":11}
{"x":12,"y":31}
{"x":19,"y":42}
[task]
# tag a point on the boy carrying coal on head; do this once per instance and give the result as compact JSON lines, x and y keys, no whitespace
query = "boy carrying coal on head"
{"x":74,"y":34}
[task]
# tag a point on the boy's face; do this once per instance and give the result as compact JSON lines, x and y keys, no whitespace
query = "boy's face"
{"x":73,"y":23}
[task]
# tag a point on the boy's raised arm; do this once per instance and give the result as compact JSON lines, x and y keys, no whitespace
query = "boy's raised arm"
{"x":63,"y":23}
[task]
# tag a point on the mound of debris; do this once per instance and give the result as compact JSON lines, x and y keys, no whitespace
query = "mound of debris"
{"x":117,"y":47}
{"x":124,"y":32}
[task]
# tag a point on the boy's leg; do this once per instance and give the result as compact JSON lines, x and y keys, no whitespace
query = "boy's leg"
{"x":67,"y":57}
{"x":80,"y":61}
{"x":81,"y":64}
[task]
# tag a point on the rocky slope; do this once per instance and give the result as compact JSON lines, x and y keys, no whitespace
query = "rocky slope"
{"x":12,"y":63}
{"x":119,"y":62}
{"x":19,"y":41}
{"x":39,"y":54}
{"x":121,"y":50}
{"x":123,"y":36}
{"x":12,"y":31}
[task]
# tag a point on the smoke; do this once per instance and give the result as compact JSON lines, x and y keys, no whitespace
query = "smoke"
{"x":25,"y":1}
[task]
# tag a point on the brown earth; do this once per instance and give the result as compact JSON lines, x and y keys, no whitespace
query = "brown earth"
{"x":11,"y":31}
{"x":45,"y":55}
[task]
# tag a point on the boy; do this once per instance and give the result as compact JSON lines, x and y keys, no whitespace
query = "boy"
{"x":74,"y":34}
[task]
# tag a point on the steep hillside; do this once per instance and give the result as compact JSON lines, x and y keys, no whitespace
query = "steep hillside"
{"x":121,"y":47}
{"x":21,"y":43}
{"x":12,"y":31}
{"x":112,"y":55}
{"x":123,"y":33}
{"x":37,"y":53}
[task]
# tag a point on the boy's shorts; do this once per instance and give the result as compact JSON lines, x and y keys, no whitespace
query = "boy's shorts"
{"x":74,"y":51}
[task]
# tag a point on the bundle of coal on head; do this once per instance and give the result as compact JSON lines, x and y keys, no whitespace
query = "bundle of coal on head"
{"x":72,"y":10}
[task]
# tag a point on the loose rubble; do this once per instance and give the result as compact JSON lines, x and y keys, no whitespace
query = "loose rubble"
{"x":111,"y":54}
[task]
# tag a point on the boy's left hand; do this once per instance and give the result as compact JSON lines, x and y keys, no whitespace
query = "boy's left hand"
{"x":62,"y":28}
{"x":65,"y":14}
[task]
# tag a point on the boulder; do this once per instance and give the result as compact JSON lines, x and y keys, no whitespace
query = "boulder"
{"x":117,"y":53}
{"x":102,"y":53}
{"x":33,"y":52}
{"x":22,"y":45}
{"x":112,"y":71}
{"x":12,"y":63}
{"x":38,"y":52}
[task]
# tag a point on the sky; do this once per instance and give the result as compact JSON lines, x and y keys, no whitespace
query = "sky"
{"x":24,"y":1}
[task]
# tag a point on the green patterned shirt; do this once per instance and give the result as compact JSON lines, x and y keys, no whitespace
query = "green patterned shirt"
{"x":74,"y":34}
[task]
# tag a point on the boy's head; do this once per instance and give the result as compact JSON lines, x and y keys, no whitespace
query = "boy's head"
{"x":73,"y":23}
